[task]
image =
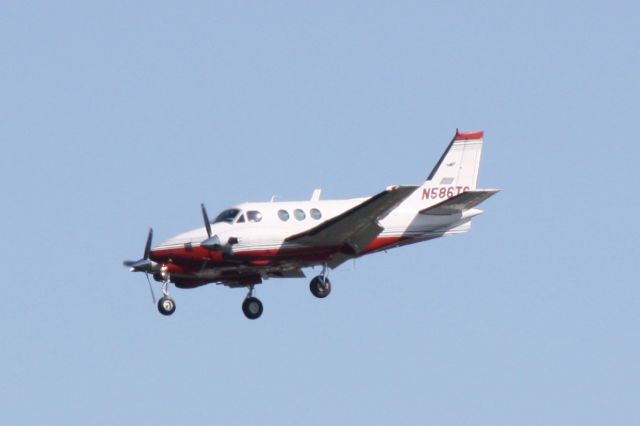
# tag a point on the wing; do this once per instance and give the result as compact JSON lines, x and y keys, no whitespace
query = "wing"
{"x":460,"y":202}
{"x":358,"y":226}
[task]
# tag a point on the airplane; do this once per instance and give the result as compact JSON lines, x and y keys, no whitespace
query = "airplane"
{"x":252,"y":242}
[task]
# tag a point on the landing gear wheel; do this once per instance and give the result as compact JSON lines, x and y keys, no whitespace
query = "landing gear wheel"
{"x":320,"y":287}
{"x":252,"y":307}
{"x":166,"y":305}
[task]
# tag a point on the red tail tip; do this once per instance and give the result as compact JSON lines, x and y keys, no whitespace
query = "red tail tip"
{"x":466,"y":136}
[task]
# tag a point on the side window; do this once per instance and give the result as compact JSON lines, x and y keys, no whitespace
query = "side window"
{"x":299,"y":214}
{"x":254,"y":216}
{"x":240,"y":219}
{"x":227,"y":216}
{"x":315,"y":213}
{"x":283,"y":215}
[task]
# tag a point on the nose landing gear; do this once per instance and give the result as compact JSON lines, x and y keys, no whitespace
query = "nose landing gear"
{"x":166,"y":305}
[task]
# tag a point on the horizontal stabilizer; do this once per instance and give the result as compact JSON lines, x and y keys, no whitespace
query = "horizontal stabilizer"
{"x":461,"y":202}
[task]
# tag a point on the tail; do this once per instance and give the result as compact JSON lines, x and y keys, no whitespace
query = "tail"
{"x":456,"y":172}
{"x":460,"y":162}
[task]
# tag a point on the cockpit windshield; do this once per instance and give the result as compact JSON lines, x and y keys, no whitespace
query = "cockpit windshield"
{"x":227,"y":216}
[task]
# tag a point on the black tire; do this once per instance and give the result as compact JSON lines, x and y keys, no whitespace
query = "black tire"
{"x":252,"y":308}
{"x":166,"y":306}
{"x":320,"y":287}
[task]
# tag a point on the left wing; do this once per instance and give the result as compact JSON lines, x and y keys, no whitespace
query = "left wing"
{"x":358,"y":226}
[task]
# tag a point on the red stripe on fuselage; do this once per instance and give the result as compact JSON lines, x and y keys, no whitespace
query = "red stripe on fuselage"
{"x":186,"y":256}
{"x":191,"y":260}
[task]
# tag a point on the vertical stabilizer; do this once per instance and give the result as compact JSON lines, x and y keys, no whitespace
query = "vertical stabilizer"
{"x":456,"y":171}
{"x":459,"y":164}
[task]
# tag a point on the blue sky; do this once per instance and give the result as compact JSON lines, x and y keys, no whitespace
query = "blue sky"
{"x":117,"y":116}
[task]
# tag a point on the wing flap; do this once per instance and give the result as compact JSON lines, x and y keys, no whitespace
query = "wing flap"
{"x":357,"y":226}
{"x":460,"y":202}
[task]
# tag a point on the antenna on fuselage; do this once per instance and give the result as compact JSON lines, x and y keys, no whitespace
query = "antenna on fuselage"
{"x":316,"y":194}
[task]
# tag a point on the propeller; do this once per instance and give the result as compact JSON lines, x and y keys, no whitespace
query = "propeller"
{"x":205,"y":216}
{"x":153,"y":295}
{"x":212,"y":242}
{"x":144,"y":265}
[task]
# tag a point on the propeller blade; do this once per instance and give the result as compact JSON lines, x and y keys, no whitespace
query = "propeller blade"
{"x":147,"y":248}
{"x":145,"y":264}
{"x":205,"y":216}
{"x":153,"y":296}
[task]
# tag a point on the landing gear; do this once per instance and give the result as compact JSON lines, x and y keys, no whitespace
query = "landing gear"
{"x":320,"y":286}
{"x":252,"y":306}
{"x":166,"y":305}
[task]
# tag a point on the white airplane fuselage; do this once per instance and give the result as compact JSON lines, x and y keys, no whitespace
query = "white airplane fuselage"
{"x":251,"y":242}
{"x":261,"y":246}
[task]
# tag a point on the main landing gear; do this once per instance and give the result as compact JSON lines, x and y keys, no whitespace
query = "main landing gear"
{"x":320,"y":286}
{"x":166,"y":305}
{"x":252,"y":306}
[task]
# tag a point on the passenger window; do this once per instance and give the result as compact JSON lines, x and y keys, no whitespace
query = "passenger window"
{"x":254,"y":216}
{"x":283,"y":215}
{"x":315,"y":213}
{"x":299,"y":214}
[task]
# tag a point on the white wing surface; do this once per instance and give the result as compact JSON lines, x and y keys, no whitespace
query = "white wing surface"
{"x":357,"y":227}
